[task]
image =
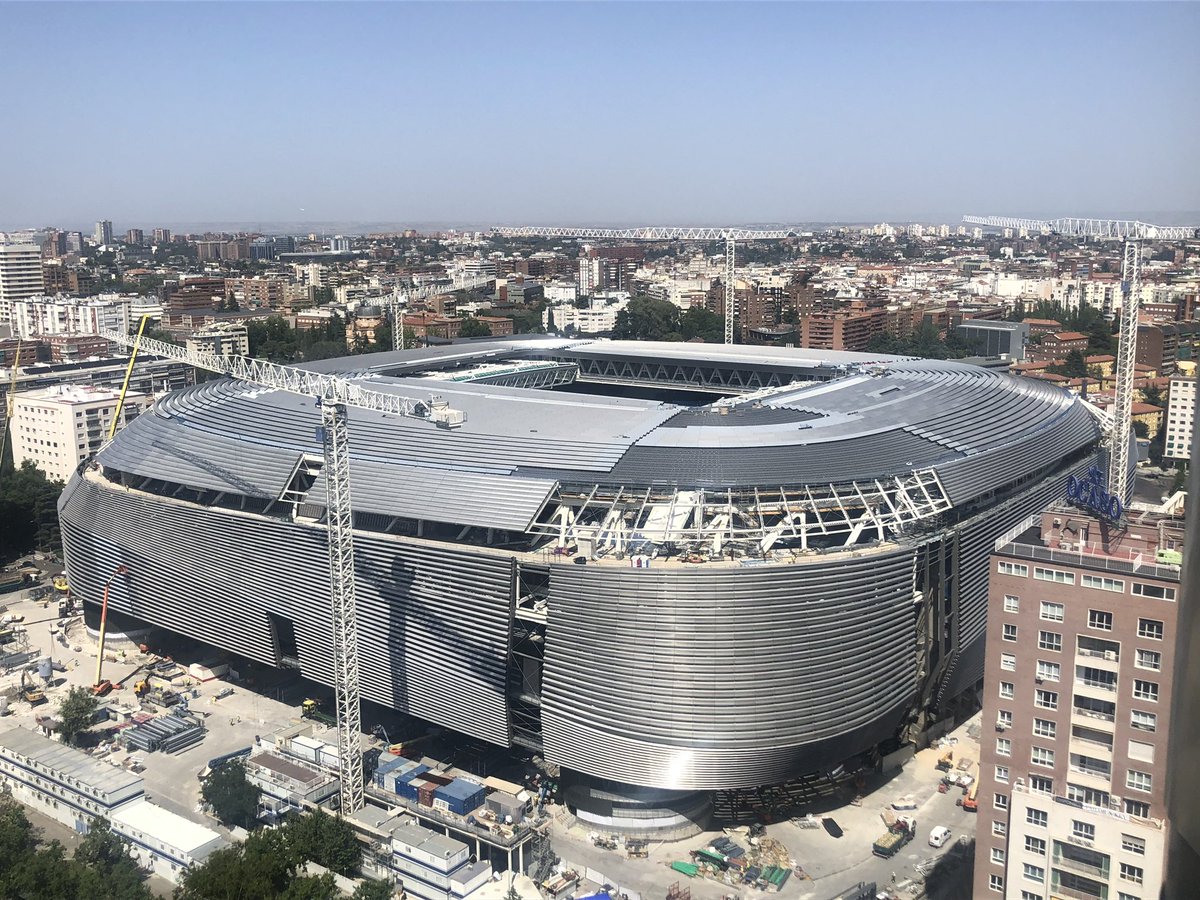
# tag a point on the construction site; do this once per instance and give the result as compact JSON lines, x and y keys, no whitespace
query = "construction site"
{"x":491,"y":599}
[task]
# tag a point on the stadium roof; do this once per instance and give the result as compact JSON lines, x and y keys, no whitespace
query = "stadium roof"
{"x":833,"y":418}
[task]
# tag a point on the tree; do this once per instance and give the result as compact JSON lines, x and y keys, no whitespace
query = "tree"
{"x":107,"y":868}
{"x":1075,"y":366}
{"x":550,"y":321}
{"x":648,"y":319}
{"x":1179,"y":482}
{"x":1153,"y":396}
{"x":233,"y":798}
{"x":17,"y":838}
{"x":326,"y":840}
{"x":373,"y":890}
{"x":259,"y":868}
{"x":76,"y":712}
{"x":28,"y":509}
{"x":472,"y":327}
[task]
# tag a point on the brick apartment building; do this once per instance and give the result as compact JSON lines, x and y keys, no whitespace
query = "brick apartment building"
{"x":1078,"y":679}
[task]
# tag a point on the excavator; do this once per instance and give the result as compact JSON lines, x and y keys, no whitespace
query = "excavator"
{"x":30,"y":692}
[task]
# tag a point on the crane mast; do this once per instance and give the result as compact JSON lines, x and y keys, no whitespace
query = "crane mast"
{"x":334,"y":395}
{"x":395,"y":304}
{"x":667,"y":233}
{"x":1132,"y":232}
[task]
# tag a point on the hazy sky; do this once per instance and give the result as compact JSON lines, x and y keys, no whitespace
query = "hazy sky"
{"x":608,"y":112}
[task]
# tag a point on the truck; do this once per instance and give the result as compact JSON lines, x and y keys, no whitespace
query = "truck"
{"x":946,"y":761}
{"x":898,"y":834}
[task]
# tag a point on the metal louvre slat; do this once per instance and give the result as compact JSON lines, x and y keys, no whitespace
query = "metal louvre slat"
{"x":433,"y":632}
{"x":724,"y":666}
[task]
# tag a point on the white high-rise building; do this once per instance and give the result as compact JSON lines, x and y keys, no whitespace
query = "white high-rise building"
{"x":1181,"y":418}
{"x":20,"y":275}
{"x":104,"y":232}
{"x":42,"y":316}
{"x":57,"y":428}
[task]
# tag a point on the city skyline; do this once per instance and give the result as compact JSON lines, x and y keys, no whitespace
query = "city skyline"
{"x":603,"y":113}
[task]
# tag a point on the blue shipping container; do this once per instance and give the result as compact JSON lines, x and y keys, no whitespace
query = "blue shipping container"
{"x":387,"y":762}
{"x":461,"y":796}
{"x":400,"y":778}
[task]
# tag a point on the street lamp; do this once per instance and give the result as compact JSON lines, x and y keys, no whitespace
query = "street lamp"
{"x":119,"y":570}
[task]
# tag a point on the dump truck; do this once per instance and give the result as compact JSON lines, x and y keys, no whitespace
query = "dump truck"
{"x":898,"y":834}
{"x":311,"y":709}
{"x":946,"y":761}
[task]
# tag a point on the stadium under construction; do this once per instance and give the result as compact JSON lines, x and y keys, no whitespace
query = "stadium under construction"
{"x":672,"y":569}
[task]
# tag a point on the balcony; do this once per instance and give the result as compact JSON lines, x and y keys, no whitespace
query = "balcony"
{"x":1082,"y":868}
{"x":1090,"y":716}
{"x":1074,"y":894}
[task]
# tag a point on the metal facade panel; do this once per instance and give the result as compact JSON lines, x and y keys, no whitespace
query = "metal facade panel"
{"x":433,"y":621}
{"x":723,"y":677}
{"x":442,"y":495}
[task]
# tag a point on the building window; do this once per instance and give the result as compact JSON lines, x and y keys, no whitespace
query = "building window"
{"x":1100,"y":619}
{"x":995,"y":882}
{"x":1150,"y":628}
{"x":1002,"y":773}
{"x":998,"y":856}
{"x":1040,"y":756}
{"x":1030,"y":895}
{"x":1040,"y":784}
{"x":1034,"y":873}
{"x":1052,"y":612}
{"x":1000,"y":801}
{"x":1137,"y":808}
{"x":1044,"y":728}
{"x":1085,"y":830}
{"x":1131,"y":844}
{"x":1132,"y":873}
{"x":1003,"y":747}
{"x":1058,"y":577}
{"x":1036,"y":817}
{"x":1048,"y":671}
{"x":1153,"y":590}
{"x":1009,"y":632}
{"x":1035,"y":845}
{"x":1149,"y":659}
{"x":999,"y":829}
{"x":1103,"y":584}
{"x":1004,"y":717}
{"x":1145,"y":690}
{"x":1007,"y":568}
{"x":1143,"y":721}
{"x":1121,"y":895}
{"x":1046,"y":699}
{"x":1012,"y":604}
{"x":1008,"y":662}
{"x":1138,"y":781}
{"x":1006,"y":690}
{"x":1050,"y":640}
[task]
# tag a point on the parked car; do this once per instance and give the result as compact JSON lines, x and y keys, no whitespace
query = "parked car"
{"x":939,"y":836}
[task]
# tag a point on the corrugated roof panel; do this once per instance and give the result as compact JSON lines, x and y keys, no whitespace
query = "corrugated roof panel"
{"x":441,"y":495}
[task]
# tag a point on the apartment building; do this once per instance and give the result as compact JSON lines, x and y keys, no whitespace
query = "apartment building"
{"x":57,"y":428}
{"x":221,"y":338}
{"x":44,"y":316}
{"x":1082,"y":620}
{"x":1181,"y":417}
{"x":20,"y":276}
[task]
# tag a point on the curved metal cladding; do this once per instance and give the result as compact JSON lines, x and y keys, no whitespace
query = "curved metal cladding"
{"x":433,"y":621}
{"x":726,"y":677}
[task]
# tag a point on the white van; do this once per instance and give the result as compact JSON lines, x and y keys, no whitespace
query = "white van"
{"x":939,"y":836}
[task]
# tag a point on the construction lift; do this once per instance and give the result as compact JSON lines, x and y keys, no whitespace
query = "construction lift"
{"x":333,"y":394}
{"x":1133,"y":233}
{"x":668,"y":233}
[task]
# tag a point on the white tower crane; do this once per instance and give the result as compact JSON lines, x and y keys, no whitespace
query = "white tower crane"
{"x":334,"y":395}
{"x":400,"y":299}
{"x":667,"y":233}
{"x":1132,"y":233}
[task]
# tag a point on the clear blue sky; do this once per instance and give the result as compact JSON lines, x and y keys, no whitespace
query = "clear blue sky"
{"x":609,"y":112}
